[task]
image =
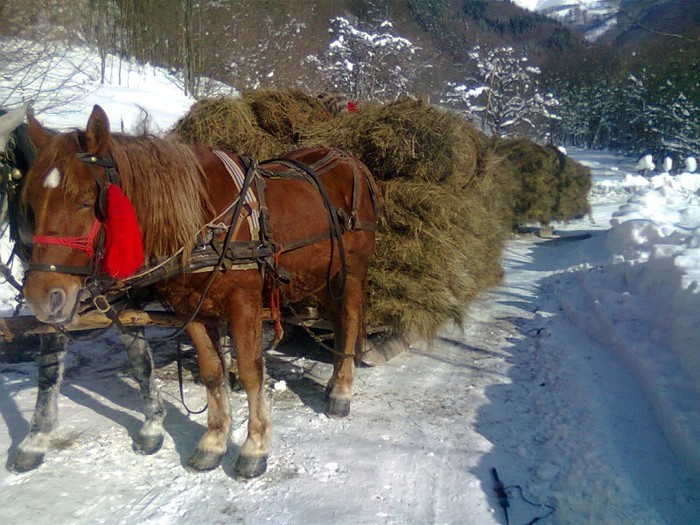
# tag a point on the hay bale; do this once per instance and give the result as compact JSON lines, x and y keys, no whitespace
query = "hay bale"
{"x":285,"y":114}
{"x":446,"y":214}
{"x":534,"y":169}
{"x":436,"y":250}
{"x":551,"y":186}
{"x":575,"y":184}
{"x":229,"y":124}
{"x":406,"y":138}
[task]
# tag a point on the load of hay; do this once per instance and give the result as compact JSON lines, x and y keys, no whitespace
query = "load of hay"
{"x":446,"y":211}
{"x":447,"y":208}
{"x":260,"y":124}
{"x":550,"y":185}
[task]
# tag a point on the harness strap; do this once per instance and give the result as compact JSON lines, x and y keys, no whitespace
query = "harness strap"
{"x":238,"y":178}
{"x":336,"y":232}
{"x":81,"y":244}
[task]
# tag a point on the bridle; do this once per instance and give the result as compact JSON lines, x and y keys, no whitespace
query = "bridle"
{"x":86,"y":243}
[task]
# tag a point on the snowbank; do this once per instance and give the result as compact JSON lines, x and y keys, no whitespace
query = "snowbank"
{"x":645,"y":302}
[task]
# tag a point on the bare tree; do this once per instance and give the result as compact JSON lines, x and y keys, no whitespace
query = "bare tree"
{"x":373,"y":64}
{"x":505,"y":96}
{"x":41,"y":72}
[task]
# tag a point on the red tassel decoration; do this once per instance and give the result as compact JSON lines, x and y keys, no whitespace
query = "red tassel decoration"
{"x":123,"y":242}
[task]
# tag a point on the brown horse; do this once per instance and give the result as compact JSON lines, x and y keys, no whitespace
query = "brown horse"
{"x":315,"y":238}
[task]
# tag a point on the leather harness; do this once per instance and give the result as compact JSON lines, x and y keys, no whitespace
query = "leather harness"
{"x":210,"y":253}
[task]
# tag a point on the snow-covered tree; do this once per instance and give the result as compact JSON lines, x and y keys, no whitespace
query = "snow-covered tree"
{"x":371,"y":64}
{"x":505,"y":96}
{"x":677,"y":122}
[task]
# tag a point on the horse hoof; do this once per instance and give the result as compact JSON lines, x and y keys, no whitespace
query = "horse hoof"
{"x":338,"y":407}
{"x":26,"y":461}
{"x":204,"y":460}
{"x":251,"y":466}
{"x":147,"y":445}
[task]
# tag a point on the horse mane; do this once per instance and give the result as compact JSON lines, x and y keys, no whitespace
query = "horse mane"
{"x":166,"y":185}
{"x":162,"y":178}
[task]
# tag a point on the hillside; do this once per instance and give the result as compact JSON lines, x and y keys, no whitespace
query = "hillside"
{"x":656,"y":23}
{"x":254,"y":44}
{"x":649,"y":50}
{"x":268,"y":44}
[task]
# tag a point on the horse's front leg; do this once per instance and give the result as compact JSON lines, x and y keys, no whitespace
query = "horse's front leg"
{"x":150,"y":437}
{"x":246,"y":327}
{"x":50,"y":363}
{"x":212,"y":446}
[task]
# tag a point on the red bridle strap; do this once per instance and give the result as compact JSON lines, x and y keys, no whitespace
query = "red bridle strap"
{"x":83,"y":244}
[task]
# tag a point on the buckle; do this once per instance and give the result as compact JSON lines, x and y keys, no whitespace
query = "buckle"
{"x":101,"y":303}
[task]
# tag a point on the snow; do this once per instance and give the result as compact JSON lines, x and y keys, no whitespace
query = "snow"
{"x":578,"y":379}
{"x":131,"y":92}
{"x":596,"y":17}
{"x":646,"y":162}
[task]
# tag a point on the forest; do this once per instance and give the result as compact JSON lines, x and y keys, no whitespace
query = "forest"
{"x":510,"y":71}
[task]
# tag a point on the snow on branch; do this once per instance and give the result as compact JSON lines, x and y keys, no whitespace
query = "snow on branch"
{"x":367,"y":64}
{"x":505,"y":96}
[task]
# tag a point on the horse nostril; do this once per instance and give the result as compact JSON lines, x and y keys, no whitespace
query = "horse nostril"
{"x":56,"y":300}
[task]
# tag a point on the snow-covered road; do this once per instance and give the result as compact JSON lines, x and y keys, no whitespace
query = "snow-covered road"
{"x":536,"y":385}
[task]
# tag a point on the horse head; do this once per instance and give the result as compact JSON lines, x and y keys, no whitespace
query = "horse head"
{"x":62,"y":197}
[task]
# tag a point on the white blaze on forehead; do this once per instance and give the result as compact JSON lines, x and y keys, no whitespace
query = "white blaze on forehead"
{"x":52,"y":178}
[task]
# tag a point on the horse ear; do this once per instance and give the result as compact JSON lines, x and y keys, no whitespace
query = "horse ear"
{"x":97,"y":133}
{"x":39,"y":135}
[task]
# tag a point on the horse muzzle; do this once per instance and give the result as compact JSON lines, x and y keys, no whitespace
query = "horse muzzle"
{"x":52,"y":298}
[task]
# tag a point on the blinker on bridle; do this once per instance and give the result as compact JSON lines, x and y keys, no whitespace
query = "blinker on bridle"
{"x":85,"y":243}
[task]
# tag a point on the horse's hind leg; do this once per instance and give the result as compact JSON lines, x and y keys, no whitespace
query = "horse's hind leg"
{"x":50,"y":363}
{"x":212,"y":446}
{"x":347,"y":320}
{"x":246,"y":327}
{"x":150,"y":437}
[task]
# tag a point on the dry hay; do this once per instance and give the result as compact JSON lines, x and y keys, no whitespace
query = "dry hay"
{"x":447,"y":205}
{"x":403,"y":139}
{"x":576,"y":182}
{"x":550,"y":185}
{"x":229,"y":124}
{"x":446,"y":211}
{"x":285,"y":114}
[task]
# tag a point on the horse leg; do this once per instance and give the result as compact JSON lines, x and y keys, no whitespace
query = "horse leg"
{"x":347,"y":321}
{"x":246,"y":326}
{"x":150,"y":437}
{"x":212,"y":446}
{"x":50,"y":363}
